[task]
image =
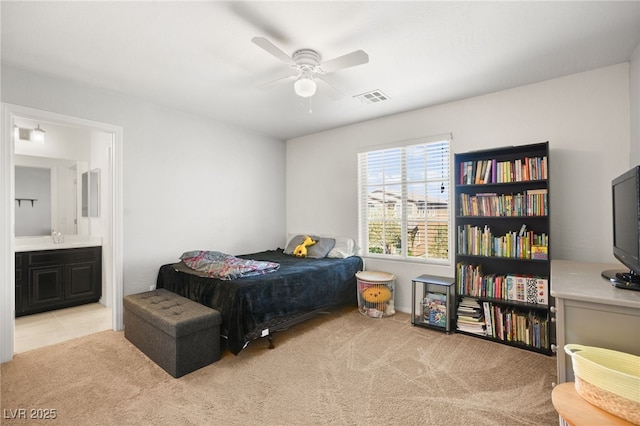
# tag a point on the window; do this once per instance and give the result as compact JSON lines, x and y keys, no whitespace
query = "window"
{"x":404,"y":200}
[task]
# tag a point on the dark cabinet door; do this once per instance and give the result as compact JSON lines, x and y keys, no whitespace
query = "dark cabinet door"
{"x":54,"y":279}
{"x":46,"y":285}
{"x":21,"y":284}
{"x":83,"y":281}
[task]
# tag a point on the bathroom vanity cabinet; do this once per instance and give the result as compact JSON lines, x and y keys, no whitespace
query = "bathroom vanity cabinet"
{"x":52,"y":279}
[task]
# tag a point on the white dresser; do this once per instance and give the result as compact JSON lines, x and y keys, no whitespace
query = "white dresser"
{"x":591,"y":312}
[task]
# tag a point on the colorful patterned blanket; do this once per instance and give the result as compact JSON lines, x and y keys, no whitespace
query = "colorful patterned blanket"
{"x":224,"y":266}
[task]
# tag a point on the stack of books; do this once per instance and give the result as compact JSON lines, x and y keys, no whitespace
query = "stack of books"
{"x":470,"y":317}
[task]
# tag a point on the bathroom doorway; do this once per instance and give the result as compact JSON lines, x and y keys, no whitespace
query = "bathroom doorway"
{"x":106,"y":157}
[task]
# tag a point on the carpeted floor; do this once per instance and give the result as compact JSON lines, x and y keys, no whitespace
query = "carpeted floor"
{"x":341,"y":369}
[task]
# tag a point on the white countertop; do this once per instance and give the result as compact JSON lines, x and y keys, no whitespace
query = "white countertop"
{"x":23,"y":244}
{"x":582,"y":281}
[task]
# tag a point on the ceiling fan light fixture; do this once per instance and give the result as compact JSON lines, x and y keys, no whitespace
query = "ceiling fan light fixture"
{"x":305,"y":87}
{"x":307,"y":62}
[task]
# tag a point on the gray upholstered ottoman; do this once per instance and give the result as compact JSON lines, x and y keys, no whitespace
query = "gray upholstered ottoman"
{"x":178,"y":334}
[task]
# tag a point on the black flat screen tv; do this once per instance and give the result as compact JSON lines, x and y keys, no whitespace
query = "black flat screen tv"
{"x":625,"y":193}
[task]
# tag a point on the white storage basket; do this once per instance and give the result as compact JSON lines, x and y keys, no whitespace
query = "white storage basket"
{"x":375,"y":293}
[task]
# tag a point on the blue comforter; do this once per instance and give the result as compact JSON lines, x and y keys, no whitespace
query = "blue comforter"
{"x":248,"y":305}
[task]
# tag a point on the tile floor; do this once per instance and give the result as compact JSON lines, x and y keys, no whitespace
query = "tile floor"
{"x":38,"y":330}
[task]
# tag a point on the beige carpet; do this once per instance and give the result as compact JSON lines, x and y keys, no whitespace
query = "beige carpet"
{"x":341,"y":369}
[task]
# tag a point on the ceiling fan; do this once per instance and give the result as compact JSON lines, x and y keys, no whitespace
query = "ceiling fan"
{"x":309,"y":70}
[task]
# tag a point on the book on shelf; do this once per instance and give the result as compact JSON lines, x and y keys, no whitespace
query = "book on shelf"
{"x":478,"y":173}
{"x":435,"y":309}
{"x":470,"y":281}
{"x":487,"y":172}
{"x":479,"y":241}
{"x":519,"y":326}
{"x":488,"y":320}
{"x":529,"y":289}
{"x":511,"y":287}
{"x":492,"y":171}
{"x":520,"y":288}
{"x":470,"y":318}
{"x":542,"y":291}
{"x":539,"y":252}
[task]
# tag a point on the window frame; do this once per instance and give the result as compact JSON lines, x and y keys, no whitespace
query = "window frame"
{"x":364,"y":220}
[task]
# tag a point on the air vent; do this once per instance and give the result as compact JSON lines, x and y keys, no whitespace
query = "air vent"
{"x":372,"y":97}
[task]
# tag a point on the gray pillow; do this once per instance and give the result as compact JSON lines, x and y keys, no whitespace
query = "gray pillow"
{"x":319,"y":250}
{"x":295,"y":242}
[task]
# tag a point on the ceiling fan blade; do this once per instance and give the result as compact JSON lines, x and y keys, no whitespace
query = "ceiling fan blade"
{"x":275,"y":51}
{"x":352,"y":59}
{"x":272,"y":83}
{"x":333,"y":92}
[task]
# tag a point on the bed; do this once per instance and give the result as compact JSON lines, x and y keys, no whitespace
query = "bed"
{"x":257,"y":306}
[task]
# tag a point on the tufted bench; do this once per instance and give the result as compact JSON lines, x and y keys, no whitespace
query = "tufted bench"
{"x":178,"y":334}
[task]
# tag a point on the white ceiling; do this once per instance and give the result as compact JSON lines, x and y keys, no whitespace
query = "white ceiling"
{"x":198,"y":56}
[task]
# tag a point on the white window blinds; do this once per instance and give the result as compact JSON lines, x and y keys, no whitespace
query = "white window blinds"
{"x":404,"y":201}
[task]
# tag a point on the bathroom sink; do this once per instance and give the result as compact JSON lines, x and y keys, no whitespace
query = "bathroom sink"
{"x":45,"y":243}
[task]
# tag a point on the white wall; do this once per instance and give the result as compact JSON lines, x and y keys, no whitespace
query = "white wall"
{"x":585,"y":118}
{"x":634,"y":90}
{"x":189,"y":182}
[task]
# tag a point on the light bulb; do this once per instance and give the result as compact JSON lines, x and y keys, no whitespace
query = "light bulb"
{"x":37,"y":135}
{"x":305,"y":87}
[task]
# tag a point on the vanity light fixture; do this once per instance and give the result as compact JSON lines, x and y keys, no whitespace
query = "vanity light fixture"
{"x":37,"y":135}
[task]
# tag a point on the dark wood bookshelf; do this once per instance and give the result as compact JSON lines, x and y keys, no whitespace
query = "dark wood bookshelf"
{"x":499,"y":225}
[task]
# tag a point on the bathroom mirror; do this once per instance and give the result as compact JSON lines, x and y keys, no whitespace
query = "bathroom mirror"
{"x":33,"y":212}
{"x":91,"y":193}
{"x":75,"y":157}
{"x":56,"y":204}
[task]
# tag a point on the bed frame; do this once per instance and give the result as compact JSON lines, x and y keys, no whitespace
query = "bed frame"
{"x":259,"y":306}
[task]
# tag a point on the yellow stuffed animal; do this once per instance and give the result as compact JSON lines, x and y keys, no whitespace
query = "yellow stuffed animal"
{"x":301,"y":250}
{"x":376,"y":295}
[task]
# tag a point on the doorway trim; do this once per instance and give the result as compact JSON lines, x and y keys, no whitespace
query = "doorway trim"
{"x":7,"y":219}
